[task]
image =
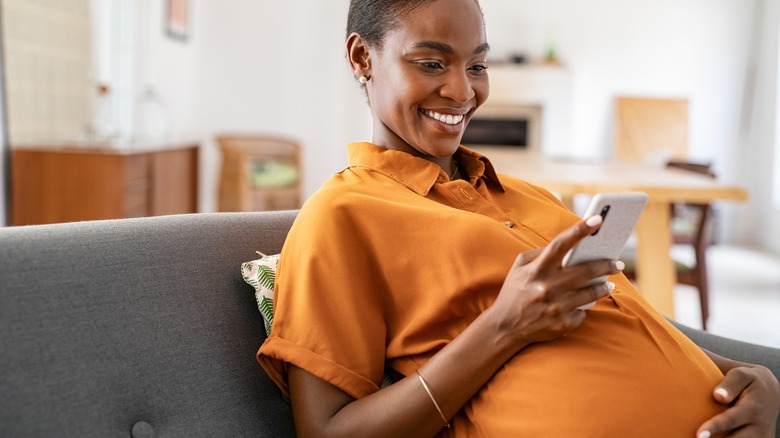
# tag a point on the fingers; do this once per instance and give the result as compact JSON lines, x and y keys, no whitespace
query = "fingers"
{"x":590,"y":294}
{"x":735,"y":381}
{"x":576,"y":282}
{"x":595,"y":269}
{"x":582,"y":284}
{"x":550,"y":257}
{"x":594,"y":293}
{"x":723,"y":423}
{"x":749,"y":413}
{"x":563,"y":242}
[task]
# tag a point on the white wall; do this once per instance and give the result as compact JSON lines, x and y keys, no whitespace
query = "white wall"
{"x":279,"y":67}
{"x":166,"y":65}
{"x":760,"y":222}
{"x":698,"y":49}
{"x":676,"y":48}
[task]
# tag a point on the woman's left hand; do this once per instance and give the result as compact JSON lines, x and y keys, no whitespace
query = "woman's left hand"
{"x":753,"y":395}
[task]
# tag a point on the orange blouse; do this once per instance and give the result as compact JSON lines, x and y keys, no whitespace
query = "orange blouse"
{"x":390,"y":260}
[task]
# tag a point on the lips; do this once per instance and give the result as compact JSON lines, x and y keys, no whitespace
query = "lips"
{"x":450,"y":119}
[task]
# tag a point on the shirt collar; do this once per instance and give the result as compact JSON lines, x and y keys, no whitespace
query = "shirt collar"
{"x":419,"y":174}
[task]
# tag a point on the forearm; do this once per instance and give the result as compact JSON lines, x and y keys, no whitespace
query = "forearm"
{"x":453,"y":375}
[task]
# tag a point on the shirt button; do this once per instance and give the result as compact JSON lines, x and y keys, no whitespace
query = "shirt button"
{"x":509,"y":224}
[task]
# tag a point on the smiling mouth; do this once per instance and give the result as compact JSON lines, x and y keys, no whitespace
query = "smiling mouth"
{"x":445,"y":118}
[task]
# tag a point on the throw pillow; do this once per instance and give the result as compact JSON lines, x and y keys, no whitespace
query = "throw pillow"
{"x":261,"y":275}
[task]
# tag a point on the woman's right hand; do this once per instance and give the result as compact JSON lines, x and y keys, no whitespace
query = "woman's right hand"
{"x":539,"y":299}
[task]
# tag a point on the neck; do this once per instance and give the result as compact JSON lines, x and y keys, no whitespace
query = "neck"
{"x":454,"y":170}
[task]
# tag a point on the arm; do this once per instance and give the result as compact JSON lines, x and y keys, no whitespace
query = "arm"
{"x":753,"y":394}
{"x":403,"y":409}
{"x":538,"y":302}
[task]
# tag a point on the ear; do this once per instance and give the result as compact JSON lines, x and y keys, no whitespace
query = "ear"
{"x":358,"y":54}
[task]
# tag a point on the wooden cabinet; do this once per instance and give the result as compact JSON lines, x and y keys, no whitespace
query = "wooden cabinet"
{"x":51,"y":185}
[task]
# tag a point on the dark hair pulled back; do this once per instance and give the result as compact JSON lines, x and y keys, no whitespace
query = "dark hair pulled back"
{"x":373,"y":19}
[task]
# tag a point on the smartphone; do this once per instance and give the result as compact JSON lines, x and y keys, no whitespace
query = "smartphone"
{"x":620,"y":212}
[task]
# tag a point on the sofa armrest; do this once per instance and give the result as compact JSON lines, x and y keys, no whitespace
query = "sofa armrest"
{"x":733,"y":349}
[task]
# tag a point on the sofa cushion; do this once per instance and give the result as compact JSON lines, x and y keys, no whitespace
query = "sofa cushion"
{"x":261,"y":275}
{"x":108,"y":325}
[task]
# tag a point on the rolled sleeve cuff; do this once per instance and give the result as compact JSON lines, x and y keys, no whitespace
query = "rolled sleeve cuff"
{"x":276,"y":353}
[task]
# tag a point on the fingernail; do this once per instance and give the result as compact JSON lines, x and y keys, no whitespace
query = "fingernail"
{"x":610,"y":286}
{"x":704,"y":434}
{"x":722,"y":392}
{"x":594,"y":220}
{"x":619,"y":265}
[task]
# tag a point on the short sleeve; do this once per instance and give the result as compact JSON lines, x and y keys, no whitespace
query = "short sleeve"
{"x":328,"y":317}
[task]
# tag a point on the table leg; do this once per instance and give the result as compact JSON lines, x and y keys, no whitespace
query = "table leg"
{"x":654,"y":266}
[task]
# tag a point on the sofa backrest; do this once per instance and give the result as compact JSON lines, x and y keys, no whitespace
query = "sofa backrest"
{"x":136,"y":327}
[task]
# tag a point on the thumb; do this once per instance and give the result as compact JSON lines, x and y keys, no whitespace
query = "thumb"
{"x":735,"y":381}
{"x":723,"y":395}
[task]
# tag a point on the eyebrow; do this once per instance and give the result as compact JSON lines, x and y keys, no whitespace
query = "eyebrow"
{"x":446,"y":48}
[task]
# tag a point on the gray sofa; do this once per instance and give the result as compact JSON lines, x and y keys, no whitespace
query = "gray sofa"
{"x":144,"y":327}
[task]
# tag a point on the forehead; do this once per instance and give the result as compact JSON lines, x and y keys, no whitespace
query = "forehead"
{"x":455,"y":22}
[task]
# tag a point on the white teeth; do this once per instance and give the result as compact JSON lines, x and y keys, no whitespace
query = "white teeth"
{"x":448,"y":119}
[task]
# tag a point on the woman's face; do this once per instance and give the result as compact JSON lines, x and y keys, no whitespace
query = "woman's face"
{"x":429,"y":78}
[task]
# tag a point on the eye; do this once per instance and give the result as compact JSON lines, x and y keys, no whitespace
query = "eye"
{"x":479,"y":68}
{"x":430,"y":65}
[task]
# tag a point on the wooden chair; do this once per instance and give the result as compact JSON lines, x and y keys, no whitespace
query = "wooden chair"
{"x":651,"y":130}
{"x":259,"y":173}
{"x":691,"y":225}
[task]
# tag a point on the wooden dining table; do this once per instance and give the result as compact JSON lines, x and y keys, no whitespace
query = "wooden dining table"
{"x":567,"y":177}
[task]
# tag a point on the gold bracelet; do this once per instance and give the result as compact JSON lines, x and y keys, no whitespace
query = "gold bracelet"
{"x":425,"y":385}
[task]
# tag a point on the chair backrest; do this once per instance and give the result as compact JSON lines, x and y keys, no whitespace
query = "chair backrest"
{"x":651,"y":130}
{"x":240,"y":156}
{"x":695,"y":215}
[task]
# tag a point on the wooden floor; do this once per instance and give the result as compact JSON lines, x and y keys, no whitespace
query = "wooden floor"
{"x":745,"y":296}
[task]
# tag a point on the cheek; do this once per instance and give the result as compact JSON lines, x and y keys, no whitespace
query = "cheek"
{"x":404,"y":100}
{"x":482,"y":91}
{"x":394,"y":92}
{"x":394,"y":107}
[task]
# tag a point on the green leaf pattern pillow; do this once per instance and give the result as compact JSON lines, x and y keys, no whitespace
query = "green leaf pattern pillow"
{"x":261,"y":275}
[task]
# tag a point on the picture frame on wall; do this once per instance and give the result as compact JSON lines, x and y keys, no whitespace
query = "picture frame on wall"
{"x":177,"y":19}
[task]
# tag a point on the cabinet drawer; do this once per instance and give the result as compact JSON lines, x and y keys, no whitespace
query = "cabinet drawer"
{"x":136,"y":169}
{"x":136,"y":203}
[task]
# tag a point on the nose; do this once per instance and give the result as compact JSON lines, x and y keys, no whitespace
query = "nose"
{"x":458,"y":87}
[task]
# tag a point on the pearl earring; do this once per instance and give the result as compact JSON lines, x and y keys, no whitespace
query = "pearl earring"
{"x":363,"y":79}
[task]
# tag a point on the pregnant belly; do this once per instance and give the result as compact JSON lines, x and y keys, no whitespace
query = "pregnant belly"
{"x":624,"y":373}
